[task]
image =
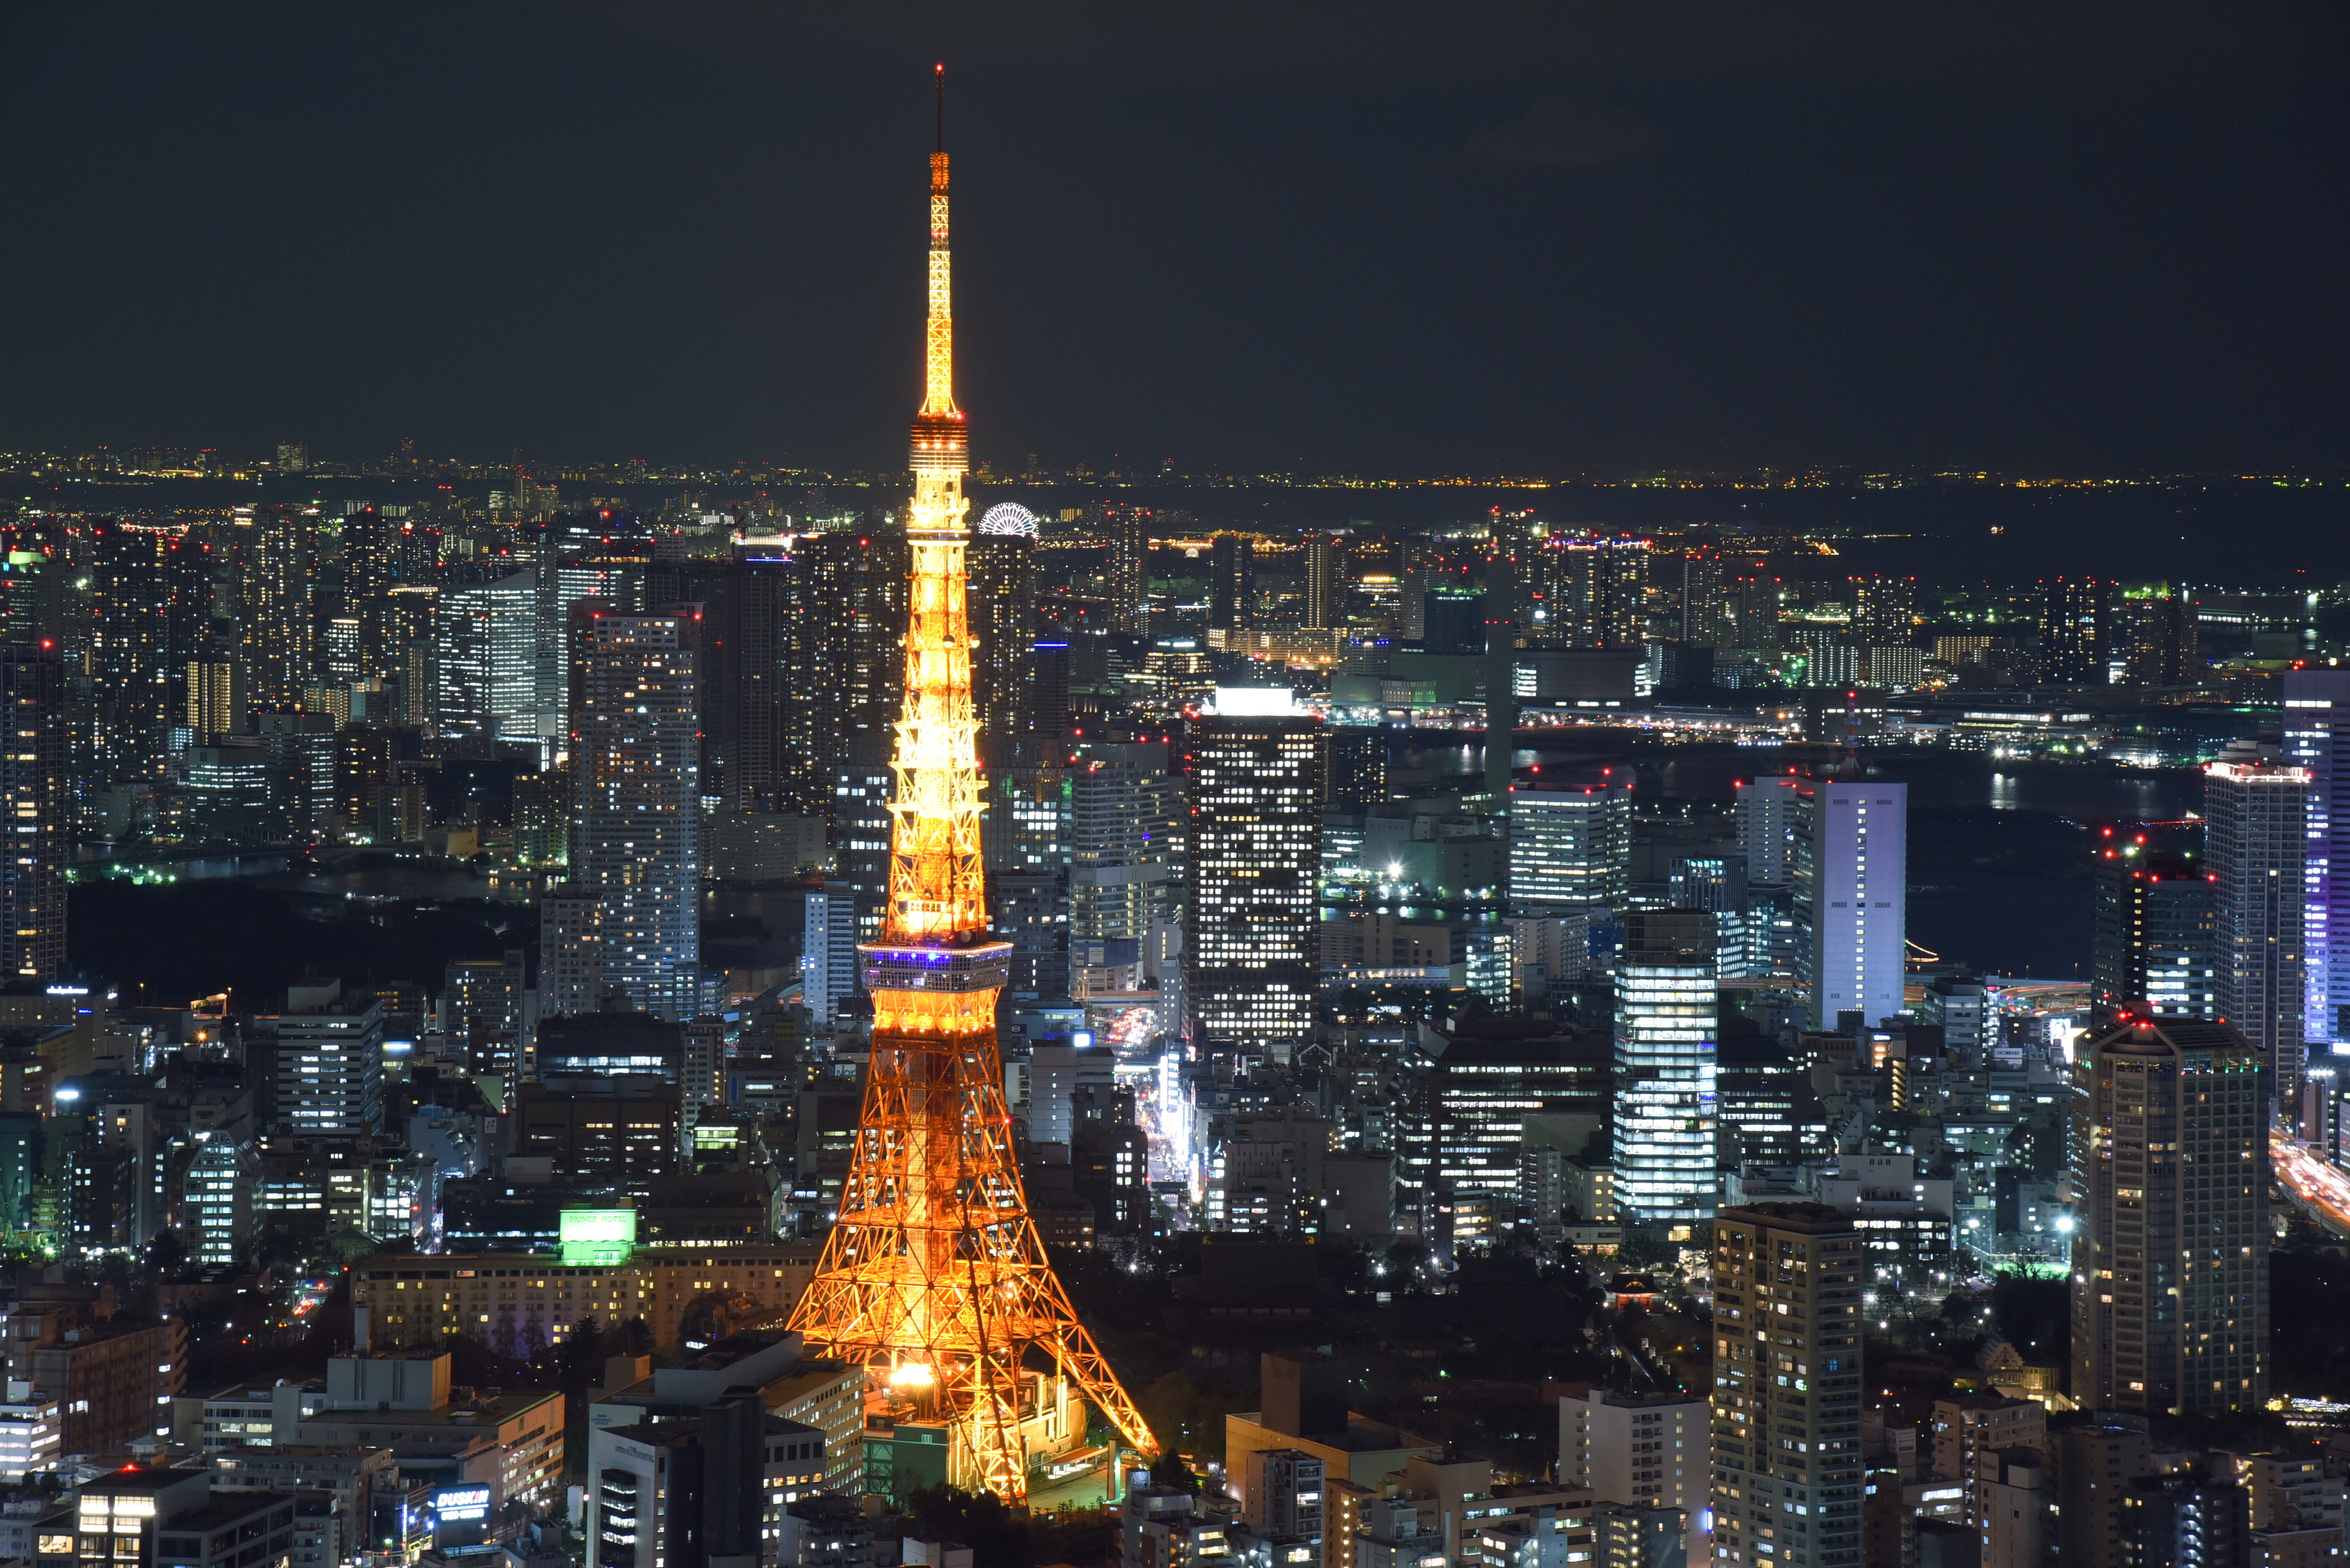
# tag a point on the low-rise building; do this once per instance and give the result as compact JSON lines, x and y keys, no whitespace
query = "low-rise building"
{"x":403,"y":1401}
{"x":32,"y":1432}
{"x":171,"y":1517}
{"x":827,"y":1397}
{"x":521,"y":1300}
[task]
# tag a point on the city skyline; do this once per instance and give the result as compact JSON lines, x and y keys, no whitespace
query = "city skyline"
{"x":1037,"y":1015}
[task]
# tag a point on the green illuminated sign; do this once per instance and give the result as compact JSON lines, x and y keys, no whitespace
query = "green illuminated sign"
{"x":593,"y":1236}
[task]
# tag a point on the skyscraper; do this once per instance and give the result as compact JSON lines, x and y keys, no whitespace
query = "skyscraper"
{"x":2075,"y":632}
{"x":1003,"y":620}
{"x":1705,"y":621}
{"x":761,"y":628}
{"x":1126,"y":572}
{"x":1452,"y":620}
{"x":1786,"y":1385}
{"x":570,"y":951}
{"x":2170,"y":1277}
{"x":1769,"y":811}
{"x":1881,"y":615}
{"x":1852,"y":894}
{"x":2160,"y":641}
{"x":1600,"y":596}
{"x":636,"y":800}
{"x":133,"y":670}
{"x":2154,"y":934}
{"x":853,"y":607}
{"x":1232,"y":588}
{"x":1571,"y":848}
{"x":33,"y":790}
{"x":485,"y":645}
{"x":1125,"y":847}
{"x":2317,"y":740}
{"x":2255,"y":811}
{"x":1326,"y":581}
{"x":1254,"y":854}
{"x":272,"y":555}
{"x":1667,"y":1004}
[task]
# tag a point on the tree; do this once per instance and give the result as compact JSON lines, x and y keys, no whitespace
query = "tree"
{"x":997,"y":1538}
{"x":167,"y":1254}
{"x":1168,"y":1470}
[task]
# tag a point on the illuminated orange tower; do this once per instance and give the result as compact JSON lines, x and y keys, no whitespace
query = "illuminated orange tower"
{"x":934,"y":1277}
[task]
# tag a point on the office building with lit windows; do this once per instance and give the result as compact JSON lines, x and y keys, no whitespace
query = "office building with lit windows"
{"x":1852,"y":896}
{"x":1254,"y":851}
{"x":1571,"y":848}
{"x":2170,"y":1276}
{"x":1665,"y":1019}
{"x":485,"y":653}
{"x":329,"y":1063}
{"x":149,"y":1517}
{"x":1788,"y":1463}
{"x":2317,"y":740}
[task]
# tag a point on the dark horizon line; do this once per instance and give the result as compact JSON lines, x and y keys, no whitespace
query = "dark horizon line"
{"x":42,"y":465}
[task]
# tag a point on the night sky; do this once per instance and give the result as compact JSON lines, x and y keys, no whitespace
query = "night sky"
{"x":1406,"y":239}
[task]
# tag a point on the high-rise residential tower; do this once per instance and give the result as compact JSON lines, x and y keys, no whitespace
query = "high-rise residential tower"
{"x":1254,"y":858}
{"x":34,"y":789}
{"x":272,"y":553}
{"x":1326,"y":581}
{"x":2317,"y":740}
{"x":1003,"y":619}
{"x":2255,"y":814}
{"x":934,"y":1279}
{"x":2075,"y":632}
{"x":2153,"y":939}
{"x":2170,"y":1277}
{"x":1851,"y":869}
{"x":1769,"y":810}
{"x":1232,"y":589}
{"x":1598,"y":596}
{"x":2159,"y":640}
{"x":1787,"y":1464}
{"x":636,"y":752}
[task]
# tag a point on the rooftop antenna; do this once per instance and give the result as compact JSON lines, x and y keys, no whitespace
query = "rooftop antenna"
{"x":942,"y":105}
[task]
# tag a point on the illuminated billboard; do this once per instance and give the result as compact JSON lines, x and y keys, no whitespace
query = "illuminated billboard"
{"x":462,"y":1502}
{"x":592,"y":1236}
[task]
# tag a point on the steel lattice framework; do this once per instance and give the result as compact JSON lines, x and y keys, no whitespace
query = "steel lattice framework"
{"x":933,"y":1276}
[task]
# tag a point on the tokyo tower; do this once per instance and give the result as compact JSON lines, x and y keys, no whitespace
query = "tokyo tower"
{"x":934,"y":1277}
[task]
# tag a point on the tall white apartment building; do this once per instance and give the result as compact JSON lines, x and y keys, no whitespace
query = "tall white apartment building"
{"x":1640,"y":1449}
{"x":2255,"y":816}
